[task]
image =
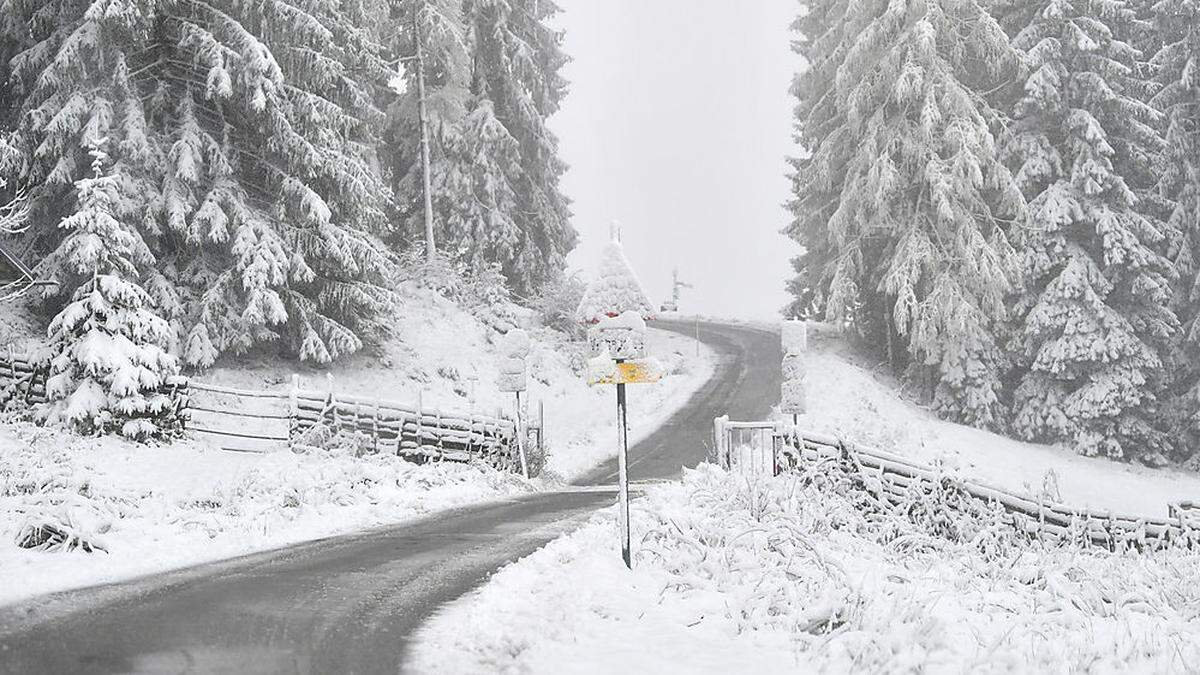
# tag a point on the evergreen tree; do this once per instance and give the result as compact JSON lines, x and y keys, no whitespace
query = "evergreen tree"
{"x":244,"y":133}
{"x":516,"y":63}
{"x":819,"y":174}
{"x":1094,"y":313}
{"x":1177,"y":62}
{"x":915,"y":202}
{"x":108,"y":358}
{"x":446,"y":56}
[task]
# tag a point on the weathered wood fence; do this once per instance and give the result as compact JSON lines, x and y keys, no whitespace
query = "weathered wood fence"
{"x":892,"y":479}
{"x":262,"y":420}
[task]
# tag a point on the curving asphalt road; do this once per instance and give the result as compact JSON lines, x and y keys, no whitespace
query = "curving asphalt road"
{"x":349,"y":604}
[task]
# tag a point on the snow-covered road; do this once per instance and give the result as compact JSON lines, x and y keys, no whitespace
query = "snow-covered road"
{"x":350,"y":603}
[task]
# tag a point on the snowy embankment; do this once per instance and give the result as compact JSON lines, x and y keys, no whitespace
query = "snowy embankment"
{"x":446,"y":358}
{"x":782,"y":576}
{"x":854,"y":402}
{"x":148,"y":509}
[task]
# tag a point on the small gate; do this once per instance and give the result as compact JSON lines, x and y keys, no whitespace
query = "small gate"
{"x":749,"y":447}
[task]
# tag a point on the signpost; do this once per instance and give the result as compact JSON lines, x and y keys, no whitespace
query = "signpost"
{"x":794,"y":402}
{"x":514,"y":352}
{"x":620,"y":347}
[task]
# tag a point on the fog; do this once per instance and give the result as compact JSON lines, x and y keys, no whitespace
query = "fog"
{"x":677,"y":125}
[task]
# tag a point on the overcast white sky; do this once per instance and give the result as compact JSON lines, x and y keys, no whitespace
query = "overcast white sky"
{"x":677,"y":124}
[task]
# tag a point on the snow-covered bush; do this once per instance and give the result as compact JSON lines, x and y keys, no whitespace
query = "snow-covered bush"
{"x":480,"y":290}
{"x":557,"y":302}
{"x":108,"y":348}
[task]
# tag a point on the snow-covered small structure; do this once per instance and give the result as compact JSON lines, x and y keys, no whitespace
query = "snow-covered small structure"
{"x":794,"y":336}
{"x":614,"y":290}
{"x":514,"y":351}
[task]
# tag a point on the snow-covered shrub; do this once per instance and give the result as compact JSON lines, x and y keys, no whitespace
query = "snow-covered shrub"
{"x":479,"y":289}
{"x":108,"y":348}
{"x":557,"y":302}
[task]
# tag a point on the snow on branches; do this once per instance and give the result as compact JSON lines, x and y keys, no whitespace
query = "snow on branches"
{"x":615,"y":290}
{"x":108,"y":348}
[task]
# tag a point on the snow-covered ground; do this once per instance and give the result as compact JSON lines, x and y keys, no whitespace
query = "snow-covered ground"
{"x":772,"y":577}
{"x":158,"y":508}
{"x":863,"y":405}
{"x":445,"y":358}
{"x":155,"y":508}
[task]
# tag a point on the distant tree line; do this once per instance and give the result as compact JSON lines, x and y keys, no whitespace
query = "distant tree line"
{"x":207,"y":176}
{"x":1002,"y":199}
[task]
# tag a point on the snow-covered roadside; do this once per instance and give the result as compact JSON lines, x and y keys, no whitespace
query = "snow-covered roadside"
{"x":583,"y":433}
{"x":158,"y":508}
{"x":446,"y":358}
{"x":860,"y":405}
{"x":773,"y":576}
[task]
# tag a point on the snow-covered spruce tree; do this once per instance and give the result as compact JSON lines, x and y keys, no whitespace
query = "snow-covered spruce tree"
{"x":916,"y":203}
{"x":246,"y":132}
{"x":447,"y":58}
{"x":614,"y":290}
{"x":516,"y":63}
{"x":1094,"y":315}
{"x":819,"y":173}
{"x":476,"y":197}
{"x":108,"y":348}
{"x":270,"y":186}
{"x":1177,"y":69}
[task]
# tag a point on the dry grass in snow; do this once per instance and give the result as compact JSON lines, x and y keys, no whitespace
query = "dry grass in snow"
{"x":789,"y":574}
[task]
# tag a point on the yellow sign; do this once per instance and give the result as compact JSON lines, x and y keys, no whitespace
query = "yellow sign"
{"x":629,"y":372}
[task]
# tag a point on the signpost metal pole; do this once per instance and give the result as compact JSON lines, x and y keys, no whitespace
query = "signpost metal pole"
{"x":623,"y":475}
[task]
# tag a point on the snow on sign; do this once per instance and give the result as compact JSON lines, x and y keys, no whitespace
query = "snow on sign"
{"x":514,"y":350}
{"x":605,"y":370}
{"x":622,"y":337}
{"x":616,"y":306}
{"x":795,"y":368}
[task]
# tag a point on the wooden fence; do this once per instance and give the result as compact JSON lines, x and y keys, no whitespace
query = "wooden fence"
{"x":261,"y":420}
{"x":893,"y":479}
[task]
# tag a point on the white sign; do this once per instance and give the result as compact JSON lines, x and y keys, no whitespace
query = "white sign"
{"x":794,"y":386}
{"x":622,"y":337}
{"x":514,"y":350}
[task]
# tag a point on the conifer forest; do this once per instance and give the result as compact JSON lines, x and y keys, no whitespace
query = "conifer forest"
{"x":1001,"y":199}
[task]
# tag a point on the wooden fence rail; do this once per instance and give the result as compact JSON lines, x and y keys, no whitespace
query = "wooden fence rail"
{"x":259,"y":420}
{"x":893,"y":479}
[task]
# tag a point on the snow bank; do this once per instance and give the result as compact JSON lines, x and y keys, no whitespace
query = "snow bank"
{"x":157,"y":508}
{"x":782,"y":576}
{"x":861,"y":405}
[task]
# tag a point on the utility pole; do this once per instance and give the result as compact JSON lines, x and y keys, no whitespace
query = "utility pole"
{"x":430,"y":247}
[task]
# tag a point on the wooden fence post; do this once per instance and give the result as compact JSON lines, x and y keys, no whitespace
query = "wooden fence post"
{"x":420,"y":416}
{"x":294,"y":412}
{"x":375,"y":428}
